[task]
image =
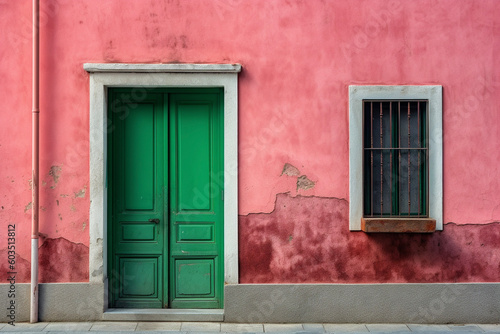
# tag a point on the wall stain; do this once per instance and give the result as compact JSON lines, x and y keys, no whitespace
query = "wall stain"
{"x":60,"y":261}
{"x":23,"y":267}
{"x":63,"y":261}
{"x":325,"y":251}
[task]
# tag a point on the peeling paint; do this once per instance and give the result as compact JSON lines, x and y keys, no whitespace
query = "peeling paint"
{"x":304,"y":183}
{"x":80,"y":193}
{"x":325,"y":251}
{"x":290,"y":170}
{"x":72,"y":208}
{"x":55,"y":173}
{"x":28,"y":207}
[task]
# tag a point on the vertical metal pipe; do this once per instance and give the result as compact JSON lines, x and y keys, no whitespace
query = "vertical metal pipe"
{"x":35,"y":168}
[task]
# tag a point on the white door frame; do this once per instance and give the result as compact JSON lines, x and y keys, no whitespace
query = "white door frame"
{"x":103,"y":76}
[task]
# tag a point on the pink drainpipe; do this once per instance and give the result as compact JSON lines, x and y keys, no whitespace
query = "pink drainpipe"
{"x":35,"y":168}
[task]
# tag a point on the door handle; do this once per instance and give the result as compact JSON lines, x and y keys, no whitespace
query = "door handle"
{"x":154,"y":220}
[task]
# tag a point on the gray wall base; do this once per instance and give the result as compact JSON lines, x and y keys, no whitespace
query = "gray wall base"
{"x":57,"y":302}
{"x":293,"y":303}
{"x":363,"y":303}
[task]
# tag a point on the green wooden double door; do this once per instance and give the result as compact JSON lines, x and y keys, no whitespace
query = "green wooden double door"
{"x":165,"y":181}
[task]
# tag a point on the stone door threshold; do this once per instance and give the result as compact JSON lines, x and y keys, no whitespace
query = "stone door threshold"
{"x":120,"y":314}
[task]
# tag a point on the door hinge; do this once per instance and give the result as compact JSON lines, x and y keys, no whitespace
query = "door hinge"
{"x":222,"y":194}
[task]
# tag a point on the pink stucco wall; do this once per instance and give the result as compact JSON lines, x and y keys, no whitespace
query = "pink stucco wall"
{"x":298,"y":59}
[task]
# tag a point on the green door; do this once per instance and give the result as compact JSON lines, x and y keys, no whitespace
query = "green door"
{"x":165,"y":182}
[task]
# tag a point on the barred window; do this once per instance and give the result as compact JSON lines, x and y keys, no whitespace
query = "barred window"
{"x":395,"y":158}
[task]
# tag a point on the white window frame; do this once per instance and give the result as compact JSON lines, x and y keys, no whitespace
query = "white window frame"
{"x":433,"y":94}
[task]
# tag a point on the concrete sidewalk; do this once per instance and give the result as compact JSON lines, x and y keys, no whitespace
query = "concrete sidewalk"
{"x":216,"y":327}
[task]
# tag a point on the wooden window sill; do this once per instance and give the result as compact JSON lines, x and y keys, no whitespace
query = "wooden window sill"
{"x":398,"y":225}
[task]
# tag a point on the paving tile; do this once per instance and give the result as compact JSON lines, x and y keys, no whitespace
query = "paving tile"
{"x":230,"y":327}
{"x":314,"y":328}
{"x":110,"y":326}
{"x":387,"y":328}
{"x":25,"y":327}
{"x":345,"y":328}
{"x":159,"y":326}
{"x":429,"y":328}
{"x":465,"y":328}
{"x":68,"y":327}
{"x":24,"y":332}
{"x":82,"y":332}
{"x":160,"y":331}
{"x":283,"y":328}
{"x":201,"y":326}
{"x":490,"y":327}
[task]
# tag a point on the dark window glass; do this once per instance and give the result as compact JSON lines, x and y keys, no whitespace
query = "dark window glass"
{"x":395,"y":161}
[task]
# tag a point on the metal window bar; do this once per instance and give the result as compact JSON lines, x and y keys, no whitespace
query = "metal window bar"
{"x":409,"y":162}
{"x":418,"y":154}
{"x":390,"y":154}
{"x":381,"y":161}
{"x":371,"y":163}
{"x":394,"y":149}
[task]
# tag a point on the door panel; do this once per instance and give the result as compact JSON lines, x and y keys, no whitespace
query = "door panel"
{"x":196,"y":175}
{"x":137,"y":197}
{"x":139,"y":161}
{"x":194,"y":278}
{"x":165,"y":194}
{"x":194,"y":149}
{"x":139,"y":280}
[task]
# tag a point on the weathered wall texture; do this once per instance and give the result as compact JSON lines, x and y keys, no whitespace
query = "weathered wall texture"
{"x":307,"y":240}
{"x":298,"y":59}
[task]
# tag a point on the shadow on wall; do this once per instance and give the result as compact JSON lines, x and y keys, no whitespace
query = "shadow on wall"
{"x":307,"y":240}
